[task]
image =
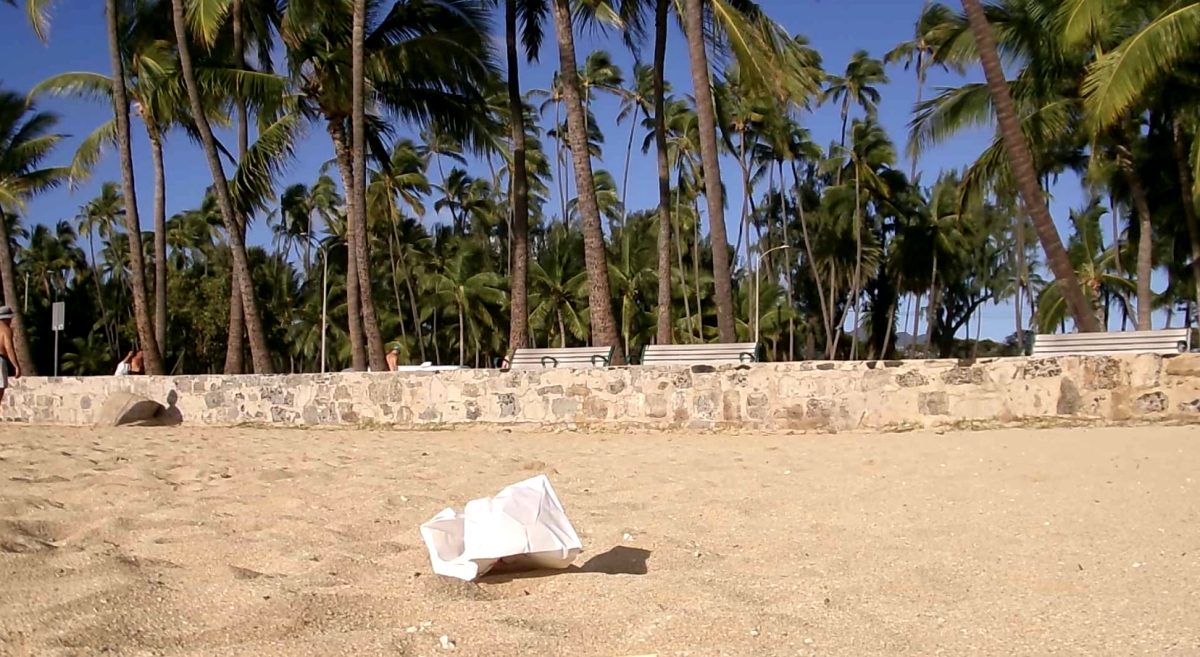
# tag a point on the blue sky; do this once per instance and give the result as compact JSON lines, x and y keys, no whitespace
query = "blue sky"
{"x":836,"y":28}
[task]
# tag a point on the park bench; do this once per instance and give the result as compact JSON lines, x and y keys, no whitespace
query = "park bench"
{"x":573,"y":357}
{"x":1167,"y":341}
{"x":700,"y":354}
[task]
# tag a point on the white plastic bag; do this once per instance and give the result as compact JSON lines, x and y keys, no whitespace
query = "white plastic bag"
{"x":524,"y":526}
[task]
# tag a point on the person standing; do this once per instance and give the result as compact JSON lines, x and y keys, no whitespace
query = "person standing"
{"x":9,"y":365}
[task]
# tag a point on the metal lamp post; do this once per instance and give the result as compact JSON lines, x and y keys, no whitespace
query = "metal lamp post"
{"x":758,"y":284}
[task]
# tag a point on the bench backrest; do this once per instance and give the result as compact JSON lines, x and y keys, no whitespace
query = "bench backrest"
{"x":574,"y":357}
{"x":1167,"y":341}
{"x":700,"y":354}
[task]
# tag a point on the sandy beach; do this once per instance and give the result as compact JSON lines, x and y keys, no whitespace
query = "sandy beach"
{"x":285,"y":542}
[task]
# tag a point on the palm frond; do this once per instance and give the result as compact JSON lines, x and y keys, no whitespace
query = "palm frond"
{"x":205,"y":19}
{"x":90,"y":150}
{"x":254,"y":181}
{"x":79,"y":83}
{"x":1119,"y":79}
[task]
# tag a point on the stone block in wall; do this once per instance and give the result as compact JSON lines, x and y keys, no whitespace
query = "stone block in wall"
{"x":1069,"y":400}
{"x":1103,"y":372}
{"x":1041,"y":368}
{"x":1183,"y":366}
{"x":911,"y":379}
{"x":933,"y":403}
{"x":964,"y":376}
{"x":1153,"y":402}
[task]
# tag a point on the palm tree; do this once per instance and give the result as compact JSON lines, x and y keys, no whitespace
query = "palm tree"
{"x":663,"y":329}
{"x":357,"y":190}
{"x":425,"y":63}
{"x":147,"y":337}
{"x":26,"y":140}
{"x":259,"y":353}
{"x":557,"y":283}
{"x":702,"y":84}
{"x":531,"y":13}
{"x":101,"y":216}
{"x":857,"y":86}
{"x":473,"y":294}
{"x":604,"y":329}
{"x":918,"y":53}
{"x":1094,"y":265}
{"x":1022,"y":167}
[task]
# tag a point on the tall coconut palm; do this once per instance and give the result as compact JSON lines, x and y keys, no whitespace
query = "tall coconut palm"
{"x":706,"y":113}
{"x":358,"y":187}
{"x":147,"y":337}
{"x":663,"y":328}
{"x":604,"y":329}
{"x":259,"y":352}
{"x":530,"y":13}
{"x":857,"y":86}
{"x":26,"y":140}
{"x":100,"y":217}
{"x":1023,"y":171}
{"x":422,"y":62}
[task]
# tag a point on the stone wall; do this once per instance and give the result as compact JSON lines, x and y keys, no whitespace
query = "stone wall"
{"x":811,"y":395}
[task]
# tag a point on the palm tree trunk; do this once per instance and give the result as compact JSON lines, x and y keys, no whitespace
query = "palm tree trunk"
{"x":1022,"y":166}
{"x":696,"y":271}
{"x":518,"y":327}
{"x":562,"y":329}
{"x":1020,"y":236}
{"x":412,"y":302}
{"x":845,"y":123}
{"x":826,"y":312}
{"x":358,"y":209}
{"x":358,"y":349}
{"x":235,"y":349}
{"x":462,"y":340}
{"x":259,"y":353}
{"x":663,"y":316}
{"x":706,"y":117}
{"x":9,"y":275}
{"x":787,"y":271}
{"x":1145,"y":251}
{"x":743,"y":223}
{"x":858,"y":255}
{"x":160,"y":240}
{"x":604,"y":330}
{"x":1187,"y":190}
{"x":137,"y":263}
{"x":931,"y":320}
{"x":625,"y":176}
{"x":396,"y":279}
{"x":560,"y":177}
{"x":687,"y":304}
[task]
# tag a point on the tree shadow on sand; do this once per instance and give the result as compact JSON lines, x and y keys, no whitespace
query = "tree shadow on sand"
{"x":620,"y":560}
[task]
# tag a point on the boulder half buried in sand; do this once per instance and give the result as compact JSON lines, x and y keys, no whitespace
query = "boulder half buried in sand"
{"x":524,"y":527}
{"x":123,"y":408}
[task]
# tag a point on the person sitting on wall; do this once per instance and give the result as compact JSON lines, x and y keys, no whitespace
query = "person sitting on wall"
{"x":9,"y":365}
{"x":393,"y":357}
{"x":132,"y":363}
{"x":123,"y":367}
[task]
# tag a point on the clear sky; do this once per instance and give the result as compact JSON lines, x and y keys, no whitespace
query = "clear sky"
{"x":836,"y":28}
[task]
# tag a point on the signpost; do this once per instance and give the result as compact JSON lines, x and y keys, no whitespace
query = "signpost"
{"x":58,"y":322}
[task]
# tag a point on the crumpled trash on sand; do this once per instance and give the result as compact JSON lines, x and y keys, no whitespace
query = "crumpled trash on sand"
{"x":524,"y":527}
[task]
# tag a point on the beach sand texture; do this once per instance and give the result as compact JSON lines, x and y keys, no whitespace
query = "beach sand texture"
{"x":257,"y":542}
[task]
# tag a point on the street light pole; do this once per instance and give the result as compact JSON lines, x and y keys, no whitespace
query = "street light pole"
{"x":758,"y":284}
